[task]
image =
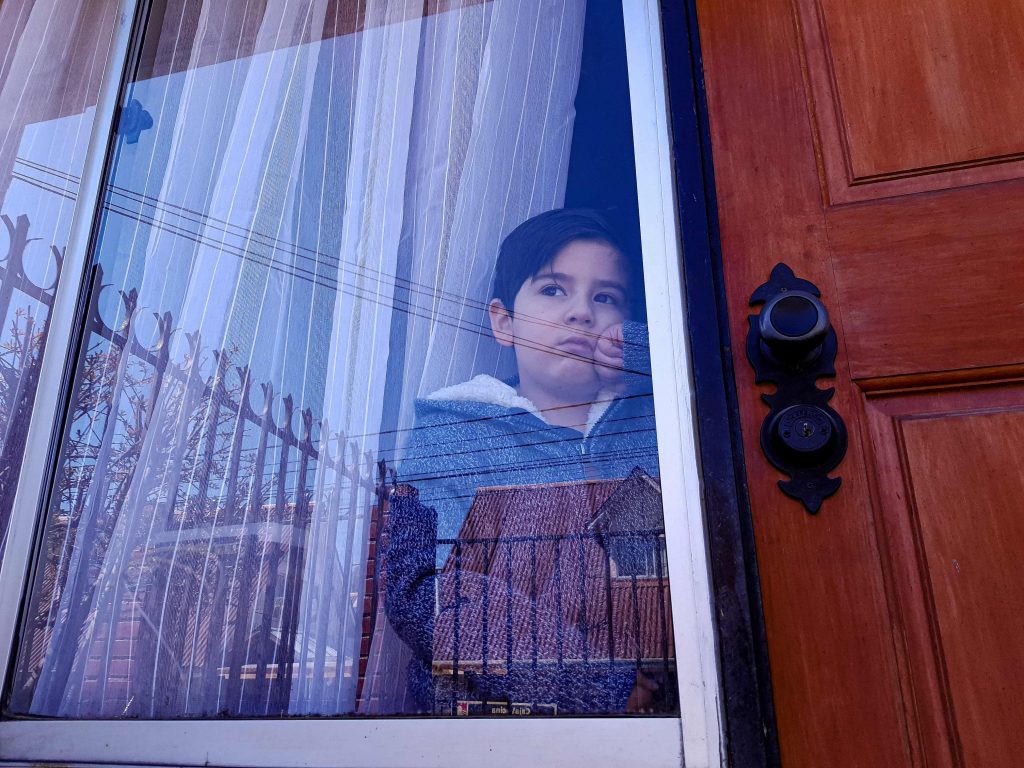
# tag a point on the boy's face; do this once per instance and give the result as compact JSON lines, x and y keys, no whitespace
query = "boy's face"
{"x":558,"y":316}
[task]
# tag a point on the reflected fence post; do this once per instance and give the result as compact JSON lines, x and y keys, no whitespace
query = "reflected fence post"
{"x":246,"y":572}
{"x":22,"y":336}
{"x":324,"y":587}
{"x":296,"y":560}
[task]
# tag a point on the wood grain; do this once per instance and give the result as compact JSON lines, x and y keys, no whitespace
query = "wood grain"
{"x":972,"y":536}
{"x":949,"y":489}
{"x":920,"y":290}
{"x":919,"y":81}
{"x":925,"y":290}
{"x":905,"y":93}
{"x":909,"y":383}
{"x":826,"y":610}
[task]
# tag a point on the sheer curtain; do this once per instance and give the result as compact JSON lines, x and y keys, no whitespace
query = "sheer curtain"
{"x":196,"y":231}
{"x":297,"y":243}
{"x":491,"y":139}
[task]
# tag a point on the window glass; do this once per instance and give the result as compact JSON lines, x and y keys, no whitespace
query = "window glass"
{"x":362,"y":421}
{"x":53,"y":54}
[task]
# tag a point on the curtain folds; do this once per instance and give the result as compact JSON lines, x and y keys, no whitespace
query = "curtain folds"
{"x":296,"y":243}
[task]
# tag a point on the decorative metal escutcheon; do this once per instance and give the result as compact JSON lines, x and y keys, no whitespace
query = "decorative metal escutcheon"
{"x":791,"y":344}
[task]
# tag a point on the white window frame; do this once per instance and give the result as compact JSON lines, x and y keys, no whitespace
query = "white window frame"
{"x":696,"y":735}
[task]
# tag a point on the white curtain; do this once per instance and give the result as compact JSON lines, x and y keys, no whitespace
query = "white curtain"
{"x":326,"y":214}
{"x":199,"y":208}
{"x":491,"y":140}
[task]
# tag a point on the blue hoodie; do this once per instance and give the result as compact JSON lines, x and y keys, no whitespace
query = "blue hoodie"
{"x":483,"y":434}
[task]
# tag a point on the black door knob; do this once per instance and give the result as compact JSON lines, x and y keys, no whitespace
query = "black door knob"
{"x":793,"y":325}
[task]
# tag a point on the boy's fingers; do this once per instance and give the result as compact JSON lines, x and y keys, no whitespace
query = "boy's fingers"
{"x":608,"y":361}
{"x":608,"y":349}
{"x":648,"y":683}
{"x":641,"y":700}
{"x":613,"y":335}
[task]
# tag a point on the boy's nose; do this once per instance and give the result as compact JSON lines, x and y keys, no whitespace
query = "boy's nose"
{"x":579,"y":312}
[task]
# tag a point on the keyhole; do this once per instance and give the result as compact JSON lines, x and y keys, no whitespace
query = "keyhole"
{"x":802,"y":428}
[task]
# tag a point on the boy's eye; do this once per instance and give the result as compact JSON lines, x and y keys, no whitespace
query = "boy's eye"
{"x":606,"y":298}
{"x":552,"y":290}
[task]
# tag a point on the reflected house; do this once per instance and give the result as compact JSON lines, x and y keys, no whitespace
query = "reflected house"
{"x":231,"y":633}
{"x":548,"y":593}
{"x":199,"y":567}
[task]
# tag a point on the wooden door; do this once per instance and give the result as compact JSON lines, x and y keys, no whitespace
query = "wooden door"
{"x":878,"y":149}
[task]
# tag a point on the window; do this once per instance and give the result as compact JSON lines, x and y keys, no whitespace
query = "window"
{"x":333,"y":444}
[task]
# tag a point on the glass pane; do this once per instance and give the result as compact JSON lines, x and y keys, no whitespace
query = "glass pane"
{"x":363,"y":422}
{"x":52,"y":56}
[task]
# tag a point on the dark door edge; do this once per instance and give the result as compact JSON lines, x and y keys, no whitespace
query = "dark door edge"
{"x":749,"y":728}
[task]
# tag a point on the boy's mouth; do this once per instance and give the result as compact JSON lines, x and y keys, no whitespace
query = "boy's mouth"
{"x":577,"y":345}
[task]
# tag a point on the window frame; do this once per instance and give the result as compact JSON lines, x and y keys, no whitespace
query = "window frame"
{"x":696,"y":734}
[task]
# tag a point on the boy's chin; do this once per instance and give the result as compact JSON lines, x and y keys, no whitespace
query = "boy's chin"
{"x":576,"y":383}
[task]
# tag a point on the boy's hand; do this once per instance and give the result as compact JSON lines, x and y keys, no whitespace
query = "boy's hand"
{"x":641,"y":699}
{"x":608,"y":358}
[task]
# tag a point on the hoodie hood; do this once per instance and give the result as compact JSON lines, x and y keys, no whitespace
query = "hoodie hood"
{"x":487,"y":390}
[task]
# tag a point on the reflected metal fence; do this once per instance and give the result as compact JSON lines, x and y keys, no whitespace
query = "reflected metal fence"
{"x":24,"y":321}
{"x":211,"y":548}
{"x":202,"y":551}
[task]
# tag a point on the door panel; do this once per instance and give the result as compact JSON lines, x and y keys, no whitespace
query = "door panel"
{"x":844,"y":146}
{"x":904,"y":92}
{"x":953,"y":540}
{"x":930,"y":282}
{"x":894,"y":87}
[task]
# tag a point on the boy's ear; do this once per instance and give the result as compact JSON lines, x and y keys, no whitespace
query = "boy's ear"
{"x":501,"y":323}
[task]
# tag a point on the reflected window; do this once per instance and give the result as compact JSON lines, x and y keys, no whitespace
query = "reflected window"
{"x":362,"y":418}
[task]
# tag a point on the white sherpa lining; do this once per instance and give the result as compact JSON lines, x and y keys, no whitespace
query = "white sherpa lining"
{"x":597,"y":409}
{"x":487,"y":389}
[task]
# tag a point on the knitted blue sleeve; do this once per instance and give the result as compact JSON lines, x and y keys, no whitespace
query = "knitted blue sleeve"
{"x":636,"y":357}
{"x":444,"y":483}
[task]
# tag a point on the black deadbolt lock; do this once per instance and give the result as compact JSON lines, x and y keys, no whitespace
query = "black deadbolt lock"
{"x":792,"y":344}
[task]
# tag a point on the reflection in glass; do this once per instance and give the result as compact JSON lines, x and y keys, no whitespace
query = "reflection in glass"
{"x":296,"y":258}
{"x":52,"y":57}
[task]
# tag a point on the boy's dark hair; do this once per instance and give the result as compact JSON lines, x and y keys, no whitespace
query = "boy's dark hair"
{"x":533,"y":244}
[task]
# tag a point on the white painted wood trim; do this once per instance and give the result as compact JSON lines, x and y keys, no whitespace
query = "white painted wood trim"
{"x":674,"y":403}
{"x":595,"y":743}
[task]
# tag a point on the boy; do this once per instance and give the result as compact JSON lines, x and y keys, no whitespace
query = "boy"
{"x":579,"y":409}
